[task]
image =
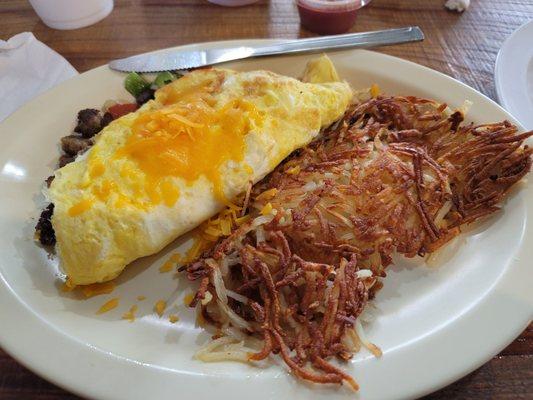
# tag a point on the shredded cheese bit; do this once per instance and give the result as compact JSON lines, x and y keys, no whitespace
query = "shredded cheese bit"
{"x":207,"y":234}
{"x":188,"y":299}
{"x":108,"y":306}
{"x":173,"y":318}
{"x":130,"y":315}
{"x":68,"y":286}
{"x":160,"y":306}
{"x":268,"y":194}
{"x":241,"y":220}
{"x":80,"y":207}
{"x":175,"y":257}
{"x":267,"y":209}
{"x":97,"y":289}
{"x":374,"y":90}
{"x":166,"y":267}
{"x":196,"y":249}
{"x":294,"y":170}
{"x":141,"y":298}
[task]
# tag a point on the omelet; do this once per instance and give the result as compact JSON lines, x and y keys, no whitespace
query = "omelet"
{"x":156,"y":173}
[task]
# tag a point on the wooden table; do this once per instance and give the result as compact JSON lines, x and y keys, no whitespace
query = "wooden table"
{"x":461,"y":45}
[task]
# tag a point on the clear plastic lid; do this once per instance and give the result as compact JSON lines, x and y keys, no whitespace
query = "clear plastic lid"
{"x":333,"y":5}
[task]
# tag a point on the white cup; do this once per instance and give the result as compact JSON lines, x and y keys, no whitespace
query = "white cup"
{"x":71,"y":14}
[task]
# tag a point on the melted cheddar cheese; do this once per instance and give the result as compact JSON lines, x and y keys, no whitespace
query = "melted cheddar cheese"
{"x":188,"y":141}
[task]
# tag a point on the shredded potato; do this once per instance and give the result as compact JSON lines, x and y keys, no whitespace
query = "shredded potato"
{"x":395,"y":175}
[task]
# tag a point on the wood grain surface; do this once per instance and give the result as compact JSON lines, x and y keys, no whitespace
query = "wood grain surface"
{"x":461,"y":45}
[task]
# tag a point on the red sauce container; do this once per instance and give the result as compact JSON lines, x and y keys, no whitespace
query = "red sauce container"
{"x":329,"y":17}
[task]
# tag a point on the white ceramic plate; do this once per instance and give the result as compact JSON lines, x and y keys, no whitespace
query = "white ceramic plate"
{"x":434,"y":325}
{"x":514,"y":74}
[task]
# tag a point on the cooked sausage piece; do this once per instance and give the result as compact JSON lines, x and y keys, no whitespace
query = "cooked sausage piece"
{"x":106,"y":119}
{"x":44,"y":228}
{"x":73,"y":145}
{"x":89,"y":122}
{"x":49,"y":180}
{"x":145,"y":96}
{"x":64,"y":160}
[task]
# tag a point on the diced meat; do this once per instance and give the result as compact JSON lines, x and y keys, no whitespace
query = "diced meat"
{"x":73,"y":145}
{"x":49,"y":180}
{"x":89,"y":122}
{"x":106,"y":119}
{"x":64,"y":160}
{"x":44,"y":228}
{"x":145,"y":96}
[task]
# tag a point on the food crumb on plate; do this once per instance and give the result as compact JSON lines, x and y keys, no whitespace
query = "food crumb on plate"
{"x":188,"y":299}
{"x":173,"y":318}
{"x":130,"y":315}
{"x":160,"y":306}
{"x":176,"y":257}
{"x":108,"y":306}
{"x":374,"y":90}
{"x":96,"y":289}
{"x":167,"y":266}
{"x":68,"y":286}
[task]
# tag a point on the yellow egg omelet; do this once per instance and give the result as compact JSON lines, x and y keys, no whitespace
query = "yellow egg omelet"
{"x":157,"y":173}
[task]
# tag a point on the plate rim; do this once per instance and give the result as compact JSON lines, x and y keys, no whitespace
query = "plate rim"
{"x":499,"y":74}
{"x":11,"y":342}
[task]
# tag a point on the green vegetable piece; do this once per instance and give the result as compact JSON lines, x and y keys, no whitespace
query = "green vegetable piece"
{"x":164,"y":78}
{"x":135,"y":84}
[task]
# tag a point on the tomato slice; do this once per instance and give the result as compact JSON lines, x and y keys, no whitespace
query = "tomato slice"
{"x":118,"y":110}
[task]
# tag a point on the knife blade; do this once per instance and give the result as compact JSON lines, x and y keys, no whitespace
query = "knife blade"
{"x":171,"y":59}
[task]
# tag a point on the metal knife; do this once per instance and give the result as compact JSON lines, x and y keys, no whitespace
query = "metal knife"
{"x":170,"y":60}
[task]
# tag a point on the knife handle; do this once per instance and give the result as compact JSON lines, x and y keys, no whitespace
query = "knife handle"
{"x":350,"y":40}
